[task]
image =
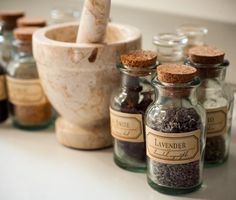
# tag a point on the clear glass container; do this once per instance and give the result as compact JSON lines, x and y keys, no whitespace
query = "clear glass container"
{"x":29,"y":106}
{"x":218,"y":99}
{"x":196,"y":35}
{"x":170,"y":47}
{"x":128,"y":106}
{"x":175,"y":137}
{"x":62,"y":14}
{"x":7,"y":25}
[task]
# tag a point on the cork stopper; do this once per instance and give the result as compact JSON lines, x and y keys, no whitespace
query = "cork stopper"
{"x":6,"y":15}
{"x":176,"y":73}
{"x":25,"y":33}
{"x":206,"y":55}
{"x":139,"y":59}
{"x":31,"y":21}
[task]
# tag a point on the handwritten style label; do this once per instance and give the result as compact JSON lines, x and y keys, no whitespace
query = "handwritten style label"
{"x":173,"y":148}
{"x":216,"y":121}
{"x":3,"y":94}
{"x":126,"y":127}
{"x":25,"y":92}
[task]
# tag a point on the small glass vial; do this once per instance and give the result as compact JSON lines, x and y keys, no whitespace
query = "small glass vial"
{"x":31,"y":21}
{"x":217,"y":98}
{"x":175,"y":131}
{"x":3,"y":96}
{"x":170,"y":47}
{"x":195,"y":34}
{"x":8,"y":24}
{"x":29,"y":106}
{"x":128,"y":107}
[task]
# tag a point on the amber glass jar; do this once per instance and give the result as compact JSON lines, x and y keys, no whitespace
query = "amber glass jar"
{"x":128,"y":106}
{"x":29,"y":106}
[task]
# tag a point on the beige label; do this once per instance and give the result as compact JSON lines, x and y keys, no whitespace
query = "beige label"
{"x":173,"y":148}
{"x":25,"y":92}
{"x":3,"y":94}
{"x":216,"y":121}
{"x":126,"y":126}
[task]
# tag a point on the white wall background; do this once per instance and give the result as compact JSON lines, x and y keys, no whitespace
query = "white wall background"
{"x":154,"y":16}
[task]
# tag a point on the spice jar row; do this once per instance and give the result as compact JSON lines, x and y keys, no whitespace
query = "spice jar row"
{"x":20,"y":89}
{"x":170,"y":117}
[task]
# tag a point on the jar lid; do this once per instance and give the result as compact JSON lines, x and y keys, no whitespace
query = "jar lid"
{"x":6,"y":15}
{"x":175,"y":73}
{"x":206,"y":55}
{"x":139,"y":59}
{"x":31,"y":21}
{"x":25,"y":33}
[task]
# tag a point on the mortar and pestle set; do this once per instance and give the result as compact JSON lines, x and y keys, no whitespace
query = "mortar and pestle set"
{"x":77,"y":67}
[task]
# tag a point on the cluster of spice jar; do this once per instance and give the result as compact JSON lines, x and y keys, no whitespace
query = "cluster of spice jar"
{"x":21,"y":93}
{"x":172,"y":114}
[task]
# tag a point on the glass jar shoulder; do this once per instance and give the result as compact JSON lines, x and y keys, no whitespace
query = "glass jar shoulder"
{"x":23,"y":68}
{"x":133,"y":100}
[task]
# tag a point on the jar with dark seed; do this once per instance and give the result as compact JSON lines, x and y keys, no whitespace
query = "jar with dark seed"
{"x":3,"y":96}
{"x":128,"y":106}
{"x":175,"y":131}
{"x":217,"y":98}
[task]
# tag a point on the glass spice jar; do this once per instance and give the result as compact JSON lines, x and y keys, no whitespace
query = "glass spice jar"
{"x":175,"y":131}
{"x":170,"y":47}
{"x":217,"y":98}
{"x":3,"y":96}
{"x":128,"y":107}
{"x":8,"y":24}
{"x":29,"y":106}
{"x":195,"y":34}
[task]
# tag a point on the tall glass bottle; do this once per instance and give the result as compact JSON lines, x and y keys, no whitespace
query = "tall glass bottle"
{"x":170,"y":47}
{"x":217,"y":98}
{"x":29,"y":106}
{"x":8,"y":24}
{"x":128,"y":106}
{"x":175,"y":131}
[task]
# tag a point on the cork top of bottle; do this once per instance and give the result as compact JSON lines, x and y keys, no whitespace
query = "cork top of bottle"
{"x":31,"y":21}
{"x":175,"y":73}
{"x":10,"y":14}
{"x":206,"y":55}
{"x":139,"y":59}
{"x":25,"y":33}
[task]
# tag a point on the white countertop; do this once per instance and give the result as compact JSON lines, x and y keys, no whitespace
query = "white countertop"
{"x":33,"y":166}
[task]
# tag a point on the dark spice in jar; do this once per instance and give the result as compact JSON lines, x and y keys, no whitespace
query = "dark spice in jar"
{"x":177,"y":120}
{"x":128,"y":108}
{"x":3,"y":96}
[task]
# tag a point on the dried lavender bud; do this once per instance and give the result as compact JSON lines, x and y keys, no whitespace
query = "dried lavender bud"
{"x":176,"y":120}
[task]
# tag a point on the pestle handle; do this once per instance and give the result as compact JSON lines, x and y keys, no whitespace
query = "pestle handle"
{"x":93,"y":23}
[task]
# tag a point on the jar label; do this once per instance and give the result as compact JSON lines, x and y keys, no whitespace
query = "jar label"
{"x":25,"y":92}
{"x":3,"y":94}
{"x":216,"y":121}
{"x":173,"y":148}
{"x":126,"y":126}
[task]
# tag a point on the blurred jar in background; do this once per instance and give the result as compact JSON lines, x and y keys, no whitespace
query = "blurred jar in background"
{"x":29,"y":106}
{"x":7,"y":25}
{"x":62,"y":14}
{"x":196,"y":35}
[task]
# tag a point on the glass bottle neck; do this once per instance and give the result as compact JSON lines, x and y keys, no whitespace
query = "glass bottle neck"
{"x":23,"y":48}
{"x":176,"y":94}
{"x":217,"y":71}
